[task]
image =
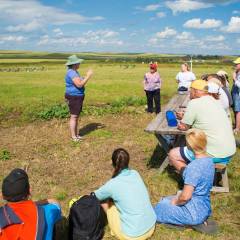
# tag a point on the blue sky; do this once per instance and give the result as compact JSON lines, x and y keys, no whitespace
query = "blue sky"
{"x":177,"y":26}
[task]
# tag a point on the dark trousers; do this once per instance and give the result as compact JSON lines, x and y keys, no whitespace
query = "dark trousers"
{"x":153,"y":95}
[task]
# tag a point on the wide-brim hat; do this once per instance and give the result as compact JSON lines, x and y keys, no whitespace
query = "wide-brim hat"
{"x":237,"y":61}
{"x":73,"y":60}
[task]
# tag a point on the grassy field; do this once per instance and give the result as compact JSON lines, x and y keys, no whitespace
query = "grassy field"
{"x":60,"y":169}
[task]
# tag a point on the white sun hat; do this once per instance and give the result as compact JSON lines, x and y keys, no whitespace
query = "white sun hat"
{"x":213,"y":87}
{"x":222,"y":73}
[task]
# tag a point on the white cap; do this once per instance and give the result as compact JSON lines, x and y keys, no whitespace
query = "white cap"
{"x":222,"y":73}
{"x":213,"y":87}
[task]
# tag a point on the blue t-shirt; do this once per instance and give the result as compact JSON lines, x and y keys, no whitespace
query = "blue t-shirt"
{"x":52,"y":215}
{"x":71,"y":89}
{"x":131,"y":198}
{"x":200,"y":175}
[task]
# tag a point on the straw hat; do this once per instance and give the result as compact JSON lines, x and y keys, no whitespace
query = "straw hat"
{"x":237,"y":61}
{"x":73,"y":60}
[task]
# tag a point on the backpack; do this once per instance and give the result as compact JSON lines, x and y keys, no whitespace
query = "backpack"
{"x":8,"y":218}
{"x":87,"y":219}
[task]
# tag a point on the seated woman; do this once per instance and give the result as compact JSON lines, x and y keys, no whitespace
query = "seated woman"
{"x":127,"y":203}
{"x":192,"y":206}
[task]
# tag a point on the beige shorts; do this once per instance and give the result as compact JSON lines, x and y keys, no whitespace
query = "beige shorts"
{"x":114,"y":223}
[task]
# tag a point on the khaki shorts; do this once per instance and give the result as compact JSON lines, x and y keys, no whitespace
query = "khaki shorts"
{"x":114,"y":223}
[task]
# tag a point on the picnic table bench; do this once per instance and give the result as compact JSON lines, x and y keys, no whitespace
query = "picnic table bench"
{"x":159,"y":127}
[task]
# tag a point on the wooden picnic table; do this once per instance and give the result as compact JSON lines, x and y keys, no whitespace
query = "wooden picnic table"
{"x":159,"y":126}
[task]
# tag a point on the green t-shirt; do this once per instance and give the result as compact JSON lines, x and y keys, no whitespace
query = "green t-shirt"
{"x":207,"y":114}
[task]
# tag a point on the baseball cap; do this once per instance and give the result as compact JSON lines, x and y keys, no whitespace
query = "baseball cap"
{"x":153,"y":66}
{"x":200,"y":85}
{"x":213,"y":87}
{"x":15,"y":186}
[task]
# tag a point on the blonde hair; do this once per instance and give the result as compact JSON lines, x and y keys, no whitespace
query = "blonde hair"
{"x":196,"y":140}
{"x":187,"y":66}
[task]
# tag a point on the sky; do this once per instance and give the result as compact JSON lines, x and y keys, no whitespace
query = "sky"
{"x":177,"y":26}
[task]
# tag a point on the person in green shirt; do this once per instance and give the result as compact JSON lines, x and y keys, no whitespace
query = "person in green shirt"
{"x":126,"y":201}
{"x":205,"y":113}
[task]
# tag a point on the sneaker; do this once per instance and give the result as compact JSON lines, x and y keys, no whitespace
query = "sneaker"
{"x":79,"y":137}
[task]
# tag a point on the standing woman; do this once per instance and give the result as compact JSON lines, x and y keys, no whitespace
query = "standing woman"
{"x":75,"y":92}
{"x":236,"y":95}
{"x":185,"y":78}
{"x":152,"y":85}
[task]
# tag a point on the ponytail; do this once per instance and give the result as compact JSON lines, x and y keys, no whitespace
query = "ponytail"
{"x":120,"y":160}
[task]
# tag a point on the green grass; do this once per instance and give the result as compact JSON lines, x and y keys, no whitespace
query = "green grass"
{"x":26,"y":94}
{"x":115,"y":102}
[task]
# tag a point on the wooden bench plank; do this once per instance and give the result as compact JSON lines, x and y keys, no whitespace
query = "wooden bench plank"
{"x":174,"y":103}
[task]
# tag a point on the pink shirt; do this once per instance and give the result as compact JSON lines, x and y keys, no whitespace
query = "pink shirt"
{"x":152,"y":81}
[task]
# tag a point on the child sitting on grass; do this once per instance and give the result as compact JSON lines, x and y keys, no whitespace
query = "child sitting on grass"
{"x":192,"y":206}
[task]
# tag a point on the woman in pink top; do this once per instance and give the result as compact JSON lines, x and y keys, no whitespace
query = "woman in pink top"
{"x":152,"y":86}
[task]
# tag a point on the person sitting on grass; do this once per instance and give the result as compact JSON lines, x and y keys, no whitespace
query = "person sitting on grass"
{"x":22,"y":218}
{"x":127,"y":204}
{"x":152,"y":85}
{"x":205,"y":113}
{"x":192,"y":206}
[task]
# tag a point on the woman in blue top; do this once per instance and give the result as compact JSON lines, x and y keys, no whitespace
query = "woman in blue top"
{"x":128,"y":207}
{"x":75,"y":92}
{"x":192,"y":206}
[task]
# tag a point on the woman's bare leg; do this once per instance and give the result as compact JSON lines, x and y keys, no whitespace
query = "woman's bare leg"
{"x":73,"y":123}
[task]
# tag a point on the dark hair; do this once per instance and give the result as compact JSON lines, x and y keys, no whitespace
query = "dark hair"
{"x":120,"y":160}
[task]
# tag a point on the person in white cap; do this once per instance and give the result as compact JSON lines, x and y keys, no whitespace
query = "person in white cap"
{"x":236,"y":94}
{"x":216,"y":91}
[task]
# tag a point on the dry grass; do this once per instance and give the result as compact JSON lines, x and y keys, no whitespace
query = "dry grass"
{"x":61,"y":169}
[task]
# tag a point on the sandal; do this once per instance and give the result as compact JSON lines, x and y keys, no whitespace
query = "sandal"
{"x":208,"y":227}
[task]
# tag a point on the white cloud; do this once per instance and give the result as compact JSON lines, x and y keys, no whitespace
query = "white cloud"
{"x":26,"y":11}
{"x":151,"y":7}
{"x":28,"y":27}
{"x":185,"y":36}
{"x":238,"y":41}
{"x":186,"y":5}
{"x":219,"y":38}
{"x":58,"y":32}
{"x":12,"y":39}
{"x":100,"y":37}
{"x":160,"y":14}
{"x":208,"y":23}
{"x":236,"y":12}
{"x":233,"y":25}
{"x":167,"y":32}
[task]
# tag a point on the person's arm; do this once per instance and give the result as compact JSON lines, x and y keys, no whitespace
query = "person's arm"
{"x":184,"y":196}
{"x":78,"y":82}
{"x":104,"y":192}
{"x":177,"y":78}
{"x":183,"y":127}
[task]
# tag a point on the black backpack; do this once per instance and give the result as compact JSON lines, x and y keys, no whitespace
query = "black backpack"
{"x":87,"y":219}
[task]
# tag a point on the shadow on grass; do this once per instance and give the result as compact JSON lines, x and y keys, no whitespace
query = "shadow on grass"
{"x":157,"y":159}
{"x":90,"y":128}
